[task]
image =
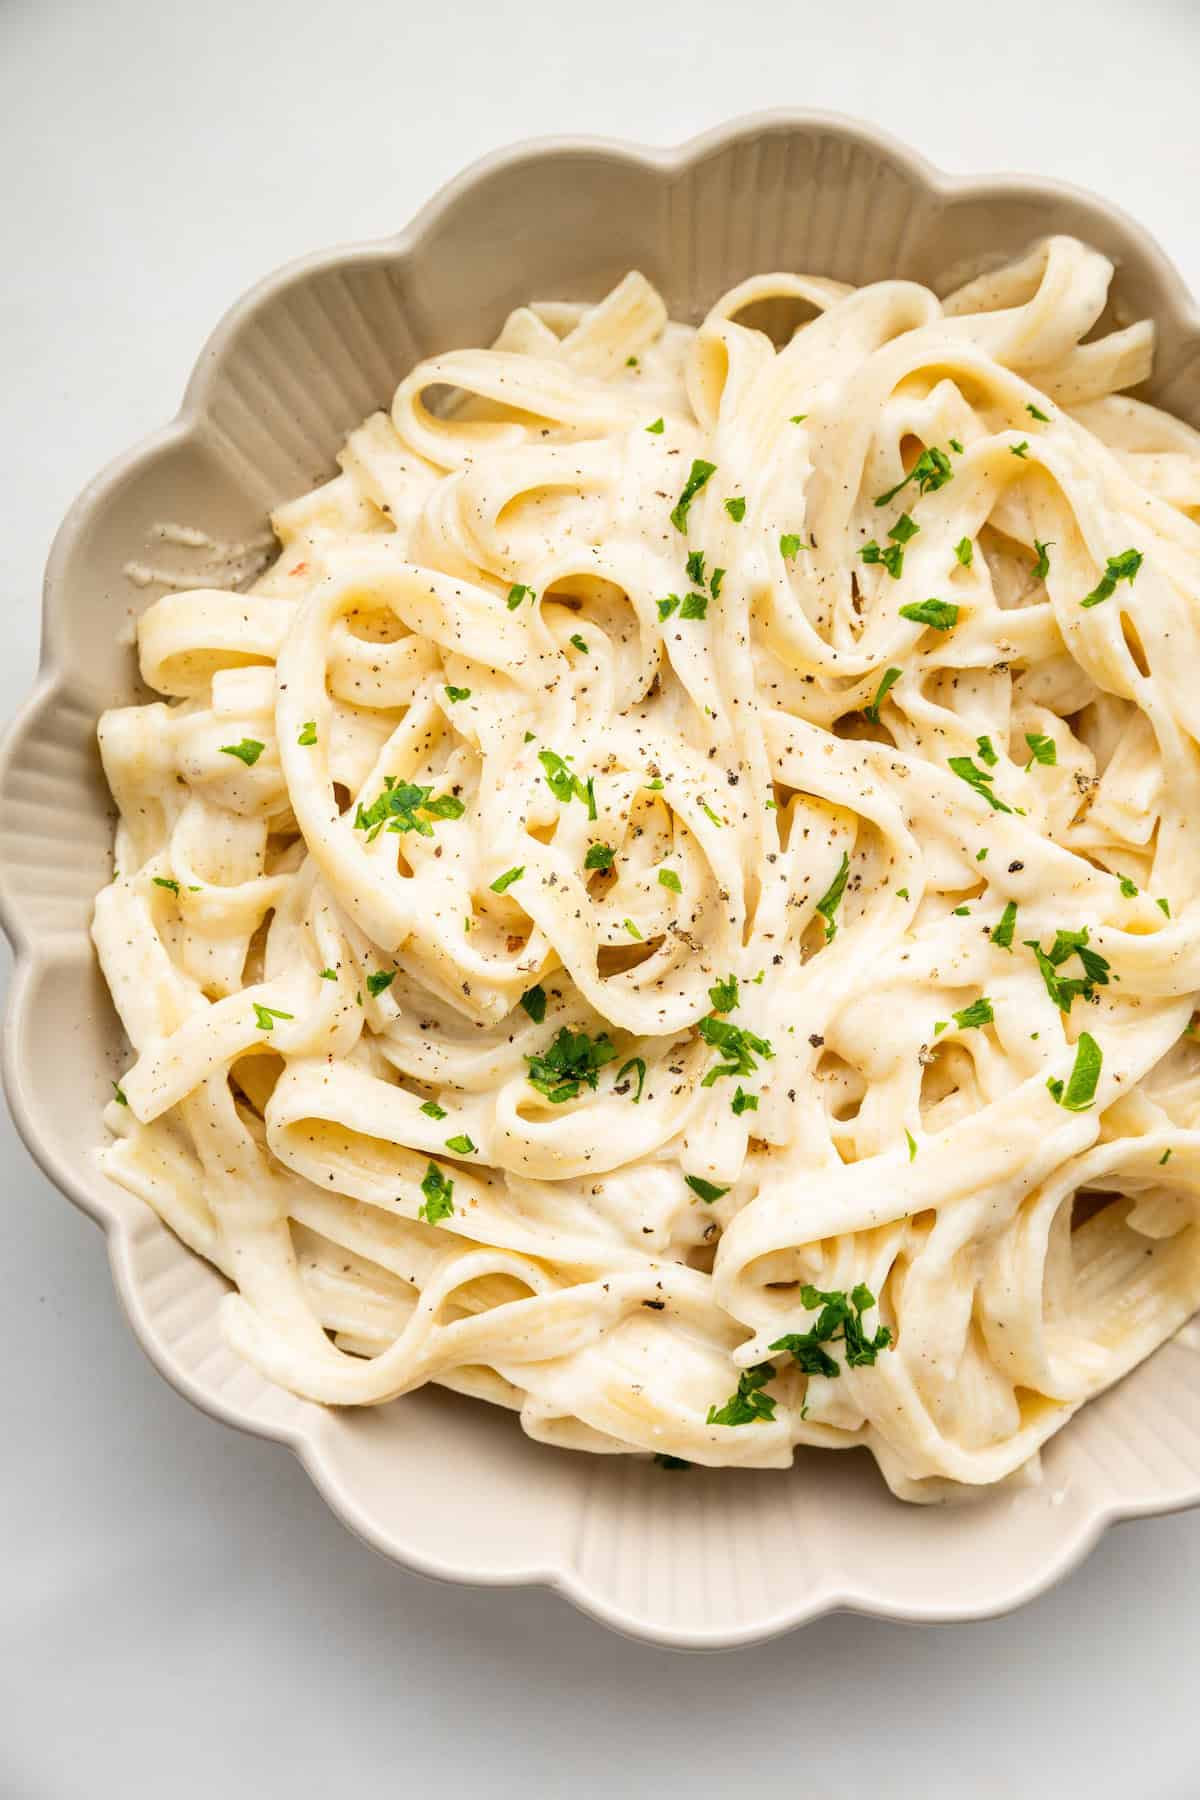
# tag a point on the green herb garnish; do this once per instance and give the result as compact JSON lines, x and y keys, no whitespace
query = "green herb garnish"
{"x":403,"y":806}
{"x":637,"y":1063}
{"x":1118,"y":568}
{"x":265,"y":1016}
{"x":695,"y":606}
{"x":599,"y":856}
{"x":1080,"y":1091}
{"x":736,"y":508}
{"x":930,"y":471}
{"x":381,"y":979}
{"x":707,"y":1191}
{"x":308,"y":734}
{"x":701,"y":471}
{"x":749,"y":1404}
{"x":887,"y":681}
{"x":831,"y":899}
{"x":964,"y":550}
{"x":669,"y":879}
{"x":573,"y":1060}
{"x":534,"y":1002}
{"x":248,"y":751}
{"x":740,"y":1047}
{"x":461,"y":1145}
{"x":1002,"y":932}
{"x":789,"y":545}
{"x":438,"y":1190}
{"x":432,"y":1110}
{"x":503,"y":882}
{"x":724,"y":994}
{"x":564,"y":784}
{"x":516,"y":593}
{"x":941,"y":614}
{"x":840,"y":1321}
{"x":1041,"y":750}
{"x":979,"y":779}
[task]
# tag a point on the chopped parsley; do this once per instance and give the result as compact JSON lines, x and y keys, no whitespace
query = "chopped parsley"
{"x":930,"y":471}
{"x":516,"y":593}
{"x":708,"y":1191}
{"x":573,"y":1060}
{"x":432,"y":1110}
{"x":633,"y":930}
{"x":461,"y":1145}
{"x":839,"y":1321}
{"x":377,"y":982}
{"x":789,"y":545}
{"x":455,"y":694}
{"x":327,"y":975}
{"x":887,"y":681}
{"x":701,"y":471}
{"x":1118,"y":568}
{"x":980,"y":780}
{"x":1165,"y":906}
{"x":714,"y":583}
{"x":956,"y":446}
{"x":1035,"y":412}
{"x":534,"y":1002}
{"x":736,"y":508}
{"x":724,"y":994}
{"x":564,"y":784}
{"x":162,"y":881}
{"x":580,"y":644}
{"x":1064,"y":989}
{"x":638,"y":1064}
{"x":1021,"y":449}
{"x":739,"y":1046}
{"x":797,"y":418}
{"x":599,"y":856}
{"x":503,"y":882}
{"x":248,"y":751}
{"x":964,"y":550}
{"x":438,"y":1190}
{"x":981,"y":855}
{"x":986,"y":751}
{"x":631,"y":362}
{"x":695,"y":606}
{"x":669,"y":879}
{"x":403,"y":806}
{"x":975,"y":1016}
{"x":1002,"y":932}
{"x":1128,"y":888}
{"x":941,"y":614}
{"x":743,"y":1102}
{"x":708,"y":812}
{"x":749,"y":1404}
{"x":119,"y":1097}
{"x":657,"y":428}
{"x":1041,"y":750}
{"x":912,"y":1144}
{"x":831,"y":899}
{"x":265,"y":1016}
{"x":1080,"y":1091}
{"x":667,"y":607}
{"x":1041,"y":567}
{"x":308,"y":732}
{"x":695,"y":567}
{"x":892,"y":558}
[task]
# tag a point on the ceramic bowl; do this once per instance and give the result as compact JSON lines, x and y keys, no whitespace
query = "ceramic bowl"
{"x":442,"y":1484}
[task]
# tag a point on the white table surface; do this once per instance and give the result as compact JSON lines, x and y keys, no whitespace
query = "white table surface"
{"x":178,"y":1613}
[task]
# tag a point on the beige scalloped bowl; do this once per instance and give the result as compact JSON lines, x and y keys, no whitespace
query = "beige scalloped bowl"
{"x":442,"y":1484}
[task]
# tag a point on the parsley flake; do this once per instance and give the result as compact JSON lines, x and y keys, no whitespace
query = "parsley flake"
{"x":637,"y":1063}
{"x":700,"y":473}
{"x":749,"y":1404}
{"x":308,"y":734}
{"x":736,"y":508}
{"x":1118,"y":568}
{"x":1064,"y":989}
{"x":941,"y":614}
{"x":724,"y":994}
{"x":265,"y":1016}
{"x":980,"y":780}
{"x":964,"y":550}
{"x":564,"y":784}
{"x":1035,"y":412}
{"x":1041,"y":567}
{"x":930,"y":471}
{"x":743,"y":1102}
{"x":438,"y":1190}
{"x":789,"y":545}
{"x":695,"y":606}
{"x":973,"y":1017}
{"x":503,"y":882}
{"x":1002,"y":931}
{"x":516,"y":593}
{"x":599,"y":856}
{"x":1041,"y":750}
{"x":739,"y":1046}
{"x":455,"y":694}
{"x":708,"y":1191}
{"x":669,"y":879}
{"x":1080,"y":1091}
{"x":461,"y":1145}
{"x":839,"y":1321}
{"x":162,"y":881}
{"x":657,"y":428}
{"x":573,"y":1060}
{"x":404,"y":806}
{"x":381,"y":979}
{"x":831,"y":899}
{"x":534,"y":1002}
{"x":1021,"y":449}
{"x":432,"y":1110}
{"x":887,"y":681}
{"x":248,"y":751}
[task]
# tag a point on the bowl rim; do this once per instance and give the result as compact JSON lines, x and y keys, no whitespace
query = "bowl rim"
{"x":32,"y":951}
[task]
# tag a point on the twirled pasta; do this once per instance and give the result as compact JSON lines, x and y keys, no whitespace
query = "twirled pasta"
{"x":687,"y":821}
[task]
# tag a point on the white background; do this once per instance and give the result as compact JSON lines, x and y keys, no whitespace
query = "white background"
{"x":178,"y":1613}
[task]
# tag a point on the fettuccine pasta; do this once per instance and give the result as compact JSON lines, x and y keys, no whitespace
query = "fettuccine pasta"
{"x":671,"y":906}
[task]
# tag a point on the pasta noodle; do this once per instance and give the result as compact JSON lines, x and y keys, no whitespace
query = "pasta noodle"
{"x":672,"y":905}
